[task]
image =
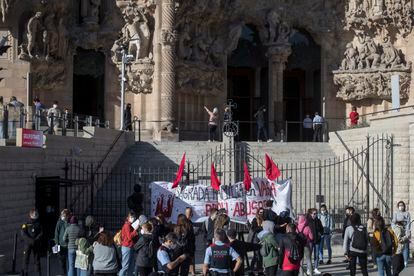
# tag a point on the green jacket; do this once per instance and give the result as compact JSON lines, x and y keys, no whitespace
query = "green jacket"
{"x":269,"y":250}
{"x":60,"y":231}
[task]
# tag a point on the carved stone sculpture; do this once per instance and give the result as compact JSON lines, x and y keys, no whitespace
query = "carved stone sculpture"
{"x":391,"y":57}
{"x":350,"y":60}
{"x":34,"y":33}
{"x":52,"y":37}
{"x":140,"y":78}
{"x":94,"y":10}
{"x":278,"y":32}
{"x":63,"y":38}
{"x":4,"y":5}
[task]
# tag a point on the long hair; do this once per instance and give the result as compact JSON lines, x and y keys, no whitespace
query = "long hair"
{"x":259,"y":217}
{"x":221,"y":221}
{"x":105,"y":238}
{"x":379,"y":224}
{"x":183,"y":225}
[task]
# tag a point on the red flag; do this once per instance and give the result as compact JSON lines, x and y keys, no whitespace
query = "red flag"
{"x":247,"y":179}
{"x":272,"y":171}
{"x":179,"y":173}
{"x":215,"y":182}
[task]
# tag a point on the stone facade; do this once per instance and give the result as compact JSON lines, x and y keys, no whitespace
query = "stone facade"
{"x":181,"y":49}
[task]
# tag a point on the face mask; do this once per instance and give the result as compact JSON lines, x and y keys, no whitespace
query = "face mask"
{"x":401,"y":208}
{"x":55,"y":106}
{"x":131,"y":220}
{"x":63,"y":218}
{"x":142,"y":232}
{"x":34,"y":217}
{"x":323,"y":212}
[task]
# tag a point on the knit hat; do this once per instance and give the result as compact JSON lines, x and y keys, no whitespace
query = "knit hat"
{"x":268,"y":226}
{"x":73,"y":220}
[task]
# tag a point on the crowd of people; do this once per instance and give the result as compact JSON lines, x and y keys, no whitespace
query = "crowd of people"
{"x":279,"y":243}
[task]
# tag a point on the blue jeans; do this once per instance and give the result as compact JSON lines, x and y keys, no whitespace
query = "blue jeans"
{"x":406,"y":253}
{"x":127,"y":261}
{"x":326,"y":240}
{"x":83,"y":272}
{"x":316,"y":255}
{"x":72,"y":271}
{"x":384,"y":263}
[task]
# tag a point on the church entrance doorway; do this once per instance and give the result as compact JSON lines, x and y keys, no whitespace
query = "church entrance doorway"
{"x":301,"y":84}
{"x":89,"y":83}
{"x":247,"y":81}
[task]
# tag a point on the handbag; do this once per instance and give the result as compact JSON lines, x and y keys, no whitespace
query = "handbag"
{"x":82,"y":260}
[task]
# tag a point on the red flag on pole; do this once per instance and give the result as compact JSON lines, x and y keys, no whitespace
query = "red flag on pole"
{"x":272,"y":171}
{"x":179,"y":173}
{"x":215,"y":182}
{"x":247,"y":179}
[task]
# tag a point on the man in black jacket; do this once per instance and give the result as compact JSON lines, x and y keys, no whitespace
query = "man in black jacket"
{"x":208,"y":227}
{"x":31,"y":234}
{"x":241,"y":248}
{"x":316,"y":227}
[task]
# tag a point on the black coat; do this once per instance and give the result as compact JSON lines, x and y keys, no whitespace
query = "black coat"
{"x":242,"y":248}
{"x":316,"y":228}
{"x":143,"y":247}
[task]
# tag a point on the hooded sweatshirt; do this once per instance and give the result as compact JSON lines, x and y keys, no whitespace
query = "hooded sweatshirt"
{"x":303,"y":227}
{"x":269,"y":244}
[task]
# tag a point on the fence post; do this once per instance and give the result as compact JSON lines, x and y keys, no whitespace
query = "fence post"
{"x":13,"y":271}
{"x":66,"y":168}
{"x":92,"y":180}
{"x":391,"y":168}
{"x":367,"y":177}
{"x":76,"y":126}
{"x":139,"y":130}
{"x":64,"y":123}
{"x":50,"y":130}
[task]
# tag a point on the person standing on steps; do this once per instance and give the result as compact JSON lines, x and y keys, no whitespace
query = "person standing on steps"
{"x":354,"y":117}
{"x":261,"y":125}
{"x":317,"y":128}
{"x":128,"y":118}
{"x":212,"y":123}
{"x":307,"y":128}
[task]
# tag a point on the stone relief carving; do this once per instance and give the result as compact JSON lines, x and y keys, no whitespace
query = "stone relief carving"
{"x":5,"y":6}
{"x":371,"y":58}
{"x":277,"y":31}
{"x":136,"y":38}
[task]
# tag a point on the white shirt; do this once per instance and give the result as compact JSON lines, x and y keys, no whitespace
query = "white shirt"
{"x":318,"y":120}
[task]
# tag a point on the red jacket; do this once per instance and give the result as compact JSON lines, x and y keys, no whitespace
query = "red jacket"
{"x":354,"y":117}
{"x":128,"y":235}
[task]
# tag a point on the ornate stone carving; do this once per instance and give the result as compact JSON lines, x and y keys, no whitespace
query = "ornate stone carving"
{"x":5,"y":6}
{"x":278,"y":32}
{"x":371,"y":58}
{"x":140,"y":78}
{"x":34,"y":35}
{"x":136,"y":37}
{"x":370,"y":84}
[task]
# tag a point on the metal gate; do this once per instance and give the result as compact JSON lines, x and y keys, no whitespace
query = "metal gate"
{"x":361,"y":178}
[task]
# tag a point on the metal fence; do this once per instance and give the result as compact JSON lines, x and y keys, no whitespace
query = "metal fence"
{"x":361,"y":178}
{"x":58,"y":123}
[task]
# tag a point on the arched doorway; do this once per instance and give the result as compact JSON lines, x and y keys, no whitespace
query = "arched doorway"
{"x":89,"y":83}
{"x":301,"y":83}
{"x":247,"y":80}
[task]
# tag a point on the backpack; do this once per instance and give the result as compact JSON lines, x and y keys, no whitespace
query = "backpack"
{"x":118,"y":238}
{"x":295,"y":250}
{"x":359,"y":239}
{"x":386,"y":243}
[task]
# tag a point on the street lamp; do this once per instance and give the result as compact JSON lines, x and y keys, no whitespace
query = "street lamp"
{"x":125,"y":60}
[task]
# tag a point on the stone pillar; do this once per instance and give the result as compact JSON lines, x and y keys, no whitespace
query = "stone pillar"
{"x":168,"y":52}
{"x":278,"y":56}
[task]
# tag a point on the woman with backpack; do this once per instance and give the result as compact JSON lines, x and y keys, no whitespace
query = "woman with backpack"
{"x":356,"y":245}
{"x":384,"y":245}
{"x":398,"y":258}
{"x":405,"y":218}
{"x":269,"y":249}
{"x":255,"y":229}
{"x":185,"y":243}
{"x":375,"y":214}
{"x":291,"y":251}
{"x":305,"y":232}
{"x":145,"y":251}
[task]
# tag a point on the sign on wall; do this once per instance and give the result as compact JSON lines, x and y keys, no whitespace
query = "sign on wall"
{"x":28,"y":138}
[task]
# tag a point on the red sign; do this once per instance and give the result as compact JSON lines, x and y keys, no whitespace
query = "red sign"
{"x":29,"y":138}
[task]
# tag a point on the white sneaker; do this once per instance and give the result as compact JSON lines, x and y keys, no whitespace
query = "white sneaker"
{"x":316,"y":272}
{"x":258,"y":141}
{"x":209,"y":141}
{"x":270,"y":140}
{"x":309,"y":272}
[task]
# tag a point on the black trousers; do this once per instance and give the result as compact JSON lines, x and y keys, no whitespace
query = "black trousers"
{"x":363,"y":260}
{"x":317,"y":133}
{"x":290,"y":272}
{"x":31,"y":249}
{"x":261,"y":129}
{"x":63,"y":256}
{"x":143,"y":271}
{"x":212,"y":132}
{"x":271,"y":271}
{"x":397,"y":264}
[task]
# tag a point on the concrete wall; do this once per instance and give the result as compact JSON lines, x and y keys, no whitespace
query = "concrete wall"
{"x":20,"y":166}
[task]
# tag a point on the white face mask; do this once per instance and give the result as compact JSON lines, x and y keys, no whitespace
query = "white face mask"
{"x":35,"y":216}
{"x":55,"y":106}
{"x":142,"y":232}
{"x":401,"y":208}
{"x":323,"y":212}
{"x":63,"y":218}
{"x":131,"y":220}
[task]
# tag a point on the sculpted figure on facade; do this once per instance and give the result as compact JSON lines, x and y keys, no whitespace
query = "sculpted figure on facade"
{"x":391,"y":57}
{"x":94,"y":7}
{"x":351,"y":57}
{"x":63,"y":38}
{"x":137,"y":36}
{"x":278,"y":32}
{"x":4,"y":5}
{"x":34,"y":34}
{"x":369,"y":56}
{"x":51,"y":37}
{"x":184,"y":42}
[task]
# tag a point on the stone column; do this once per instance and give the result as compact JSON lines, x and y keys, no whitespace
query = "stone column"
{"x":168,"y":52}
{"x":278,"y":56}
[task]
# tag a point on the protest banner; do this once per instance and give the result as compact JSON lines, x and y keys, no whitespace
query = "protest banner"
{"x":240,"y":206}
